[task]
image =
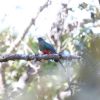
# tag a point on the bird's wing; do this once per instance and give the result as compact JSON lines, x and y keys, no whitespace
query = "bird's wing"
{"x":50,"y":47}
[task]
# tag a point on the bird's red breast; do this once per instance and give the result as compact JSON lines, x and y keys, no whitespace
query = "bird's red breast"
{"x":46,"y":52}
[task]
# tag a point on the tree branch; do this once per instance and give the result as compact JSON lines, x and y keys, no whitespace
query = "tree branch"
{"x":7,"y":57}
{"x":32,"y":22}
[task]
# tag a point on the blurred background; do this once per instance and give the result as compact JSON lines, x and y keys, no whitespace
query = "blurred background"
{"x":69,"y":25}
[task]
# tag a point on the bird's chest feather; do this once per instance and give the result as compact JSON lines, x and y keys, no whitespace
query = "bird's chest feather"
{"x":46,"y":48}
{"x":46,"y":52}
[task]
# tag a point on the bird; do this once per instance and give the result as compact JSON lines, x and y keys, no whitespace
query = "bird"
{"x":47,"y":48}
{"x":93,"y":16}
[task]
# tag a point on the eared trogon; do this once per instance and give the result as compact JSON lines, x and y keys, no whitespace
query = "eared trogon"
{"x":47,"y":48}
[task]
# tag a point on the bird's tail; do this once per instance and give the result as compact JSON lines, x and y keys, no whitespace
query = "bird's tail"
{"x":57,"y":60}
{"x":66,"y":72}
{"x":62,"y":65}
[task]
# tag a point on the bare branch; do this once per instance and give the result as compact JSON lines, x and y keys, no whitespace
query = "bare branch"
{"x":7,"y":57}
{"x":32,"y":22}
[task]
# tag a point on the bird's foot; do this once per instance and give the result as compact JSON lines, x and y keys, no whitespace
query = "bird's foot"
{"x":37,"y":58}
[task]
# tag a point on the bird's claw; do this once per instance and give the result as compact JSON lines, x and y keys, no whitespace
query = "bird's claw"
{"x":37,"y":59}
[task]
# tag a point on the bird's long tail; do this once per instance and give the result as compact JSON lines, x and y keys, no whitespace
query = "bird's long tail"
{"x":66,"y":71}
{"x":57,"y":60}
{"x":62,"y":65}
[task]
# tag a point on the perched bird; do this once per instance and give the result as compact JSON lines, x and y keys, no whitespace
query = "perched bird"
{"x":47,"y":48}
{"x":93,"y":16}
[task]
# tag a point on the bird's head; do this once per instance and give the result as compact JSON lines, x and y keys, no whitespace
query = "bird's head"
{"x":40,"y":39}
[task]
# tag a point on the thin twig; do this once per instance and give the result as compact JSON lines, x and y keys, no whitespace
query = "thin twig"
{"x":32,"y":22}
